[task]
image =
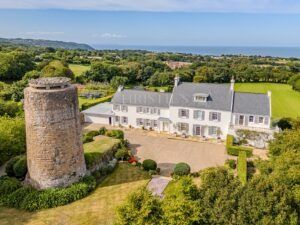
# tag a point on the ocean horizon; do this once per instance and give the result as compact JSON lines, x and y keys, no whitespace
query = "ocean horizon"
{"x":285,"y":52}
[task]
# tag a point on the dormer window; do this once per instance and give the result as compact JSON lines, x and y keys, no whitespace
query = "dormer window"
{"x":200,"y":97}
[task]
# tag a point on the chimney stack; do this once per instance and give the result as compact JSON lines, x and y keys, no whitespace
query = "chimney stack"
{"x":176,"y":81}
{"x":120,"y":88}
{"x":232,"y":83}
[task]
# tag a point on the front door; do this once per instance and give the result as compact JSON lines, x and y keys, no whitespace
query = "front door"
{"x":165,"y":126}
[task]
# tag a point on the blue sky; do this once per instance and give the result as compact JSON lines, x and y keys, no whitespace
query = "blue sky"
{"x":155,"y":22}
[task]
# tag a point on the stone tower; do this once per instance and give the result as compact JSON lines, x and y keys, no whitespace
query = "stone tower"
{"x":53,"y":133}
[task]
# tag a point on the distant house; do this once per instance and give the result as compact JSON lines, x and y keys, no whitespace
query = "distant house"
{"x":196,"y":109}
{"x":176,"y":65}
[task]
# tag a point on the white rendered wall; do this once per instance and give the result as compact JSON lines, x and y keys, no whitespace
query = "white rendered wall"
{"x":223,"y":124}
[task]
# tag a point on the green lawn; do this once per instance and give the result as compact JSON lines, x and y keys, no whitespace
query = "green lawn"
{"x":78,"y":69}
{"x":100,"y":144}
{"x":285,"y":101}
{"x":97,"y":208}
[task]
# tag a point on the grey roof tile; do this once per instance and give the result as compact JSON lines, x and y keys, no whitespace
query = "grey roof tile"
{"x":99,"y":109}
{"x":251,"y":103}
{"x":219,"y":96}
{"x":142,"y":98}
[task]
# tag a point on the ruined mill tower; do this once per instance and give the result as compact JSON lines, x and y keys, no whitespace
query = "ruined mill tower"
{"x":53,"y":133}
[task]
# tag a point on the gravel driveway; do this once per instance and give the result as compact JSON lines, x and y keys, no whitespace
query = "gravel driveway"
{"x":167,"y":152}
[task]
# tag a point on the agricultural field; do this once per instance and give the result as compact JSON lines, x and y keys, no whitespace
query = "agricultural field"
{"x":98,"y":208}
{"x":285,"y":101}
{"x":79,"y":69}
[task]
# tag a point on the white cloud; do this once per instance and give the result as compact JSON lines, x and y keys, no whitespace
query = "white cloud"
{"x":109,"y":36}
{"x":281,"y":6}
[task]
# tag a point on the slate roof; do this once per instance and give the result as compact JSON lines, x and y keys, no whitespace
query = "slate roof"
{"x":102,"y":109}
{"x":142,"y":98}
{"x":219,"y":96}
{"x":250,"y":103}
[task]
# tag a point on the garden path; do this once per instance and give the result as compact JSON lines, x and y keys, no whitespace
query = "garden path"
{"x":158,"y":184}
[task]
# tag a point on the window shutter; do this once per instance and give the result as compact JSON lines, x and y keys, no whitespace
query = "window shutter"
{"x":256,"y":119}
{"x":236,"y":119}
{"x":187,"y":127}
{"x":203,"y":115}
{"x":195,"y":114}
{"x":202,"y":130}
{"x":266,"y":120}
{"x":246,"y":120}
{"x":179,"y":112}
{"x":137,"y":122}
{"x":187,"y":113}
{"x":219,"y":117}
{"x":158,"y":111}
{"x":209,"y":130}
{"x":210,"y":116}
{"x":194,"y":129}
{"x":152,"y":123}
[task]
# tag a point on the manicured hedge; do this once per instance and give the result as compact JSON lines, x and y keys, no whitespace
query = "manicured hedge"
{"x":229,"y":140}
{"x":89,"y":137}
{"x":8,"y":185}
{"x":231,"y":163}
{"x":149,"y":164}
{"x":234,"y":150}
{"x":100,"y":100}
{"x":182,"y":169}
{"x":242,"y":167}
{"x":31,"y":200}
{"x":119,"y":134}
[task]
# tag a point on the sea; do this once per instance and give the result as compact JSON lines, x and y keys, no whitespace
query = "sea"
{"x":284,"y":52}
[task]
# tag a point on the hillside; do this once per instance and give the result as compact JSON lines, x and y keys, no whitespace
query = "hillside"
{"x":46,"y":43}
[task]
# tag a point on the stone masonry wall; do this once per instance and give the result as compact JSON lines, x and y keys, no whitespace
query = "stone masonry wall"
{"x":53,"y":134}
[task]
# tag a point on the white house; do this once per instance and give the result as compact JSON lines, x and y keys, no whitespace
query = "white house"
{"x":197,"y":109}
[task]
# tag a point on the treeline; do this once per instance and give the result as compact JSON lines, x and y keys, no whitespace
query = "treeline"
{"x":143,"y":67}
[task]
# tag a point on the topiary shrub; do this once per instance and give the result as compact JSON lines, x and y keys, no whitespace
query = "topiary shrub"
{"x":234,"y":150}
{"x":20,"y":167}
{"x":102,"y":131}
{"x":181,"y":169}
{"x":149,"y":164}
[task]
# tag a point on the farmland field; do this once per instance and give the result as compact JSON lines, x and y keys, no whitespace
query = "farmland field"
{"x":285,"y":101}
{"x":79,"y":69}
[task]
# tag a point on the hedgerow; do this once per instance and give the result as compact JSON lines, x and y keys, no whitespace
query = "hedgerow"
{"x":14,"y":195}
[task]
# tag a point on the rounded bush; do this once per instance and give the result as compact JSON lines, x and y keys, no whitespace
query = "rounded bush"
{"x":9,"y":169}
{"x":121,"y":154}
{"x":149,"y":164}
{"x":102,"y":131}
{"x":182,"y":169}
{"x":20,"y":167}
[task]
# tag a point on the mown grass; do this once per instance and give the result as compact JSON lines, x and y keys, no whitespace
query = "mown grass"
{"x":79,"y":69}
{"x":285,"y":101}
{"x":97,"y":208}
{"x":100,"y":144}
